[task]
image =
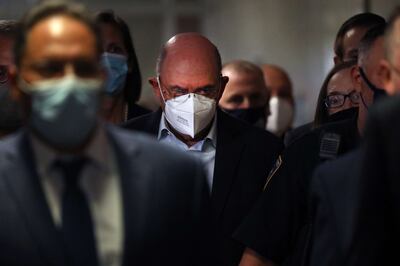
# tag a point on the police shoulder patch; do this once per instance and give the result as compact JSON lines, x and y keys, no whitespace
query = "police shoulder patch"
{"x":274,"y":169}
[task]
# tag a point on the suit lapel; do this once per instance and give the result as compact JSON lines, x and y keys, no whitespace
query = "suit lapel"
{"x":134,"y":174}
{"x":24,"y":184}
{"x":229,"y":150}
{"x":153,"y":123}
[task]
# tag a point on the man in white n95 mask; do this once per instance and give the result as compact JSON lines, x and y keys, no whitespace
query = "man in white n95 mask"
{"x":236,"y":155}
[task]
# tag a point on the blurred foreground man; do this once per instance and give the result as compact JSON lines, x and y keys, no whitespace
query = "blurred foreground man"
{"x":236,"y":155}
{"x":10,"y":113}
{"x":74,"y":191}
{"x":245,"y":95}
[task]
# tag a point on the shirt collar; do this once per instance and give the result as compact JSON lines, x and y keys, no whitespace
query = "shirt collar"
{"x":97,"y":151}
{"x":211,"y":137}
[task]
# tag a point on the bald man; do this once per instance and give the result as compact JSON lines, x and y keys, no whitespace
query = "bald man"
{"x":281,"y":103}
{"x":245,"y":96}
{"x":236,"y":155}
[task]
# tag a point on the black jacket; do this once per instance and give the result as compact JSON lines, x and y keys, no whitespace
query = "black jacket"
{"x":244,"y":157}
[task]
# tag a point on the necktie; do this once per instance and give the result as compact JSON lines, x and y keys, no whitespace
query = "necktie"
{"x":77,"y":226}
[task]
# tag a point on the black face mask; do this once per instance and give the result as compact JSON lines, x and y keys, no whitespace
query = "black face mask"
{"x":347,"y":114}
{"x":378,"y":92}
{"x":250,"y":115}
{"x":10,"y":112}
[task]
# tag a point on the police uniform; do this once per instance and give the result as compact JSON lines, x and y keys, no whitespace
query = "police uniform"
{"x":279,"y":225}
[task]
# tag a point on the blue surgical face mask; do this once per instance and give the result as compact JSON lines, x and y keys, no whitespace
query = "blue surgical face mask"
{"x":116,"y":67}
{"x":64,"y":110}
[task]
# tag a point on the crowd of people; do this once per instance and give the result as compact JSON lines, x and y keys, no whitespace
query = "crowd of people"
{"x":216,"y":175}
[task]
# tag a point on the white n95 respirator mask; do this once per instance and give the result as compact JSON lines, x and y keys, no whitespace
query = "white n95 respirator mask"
{"x":190,"y":113}
{"x":281,"y":115}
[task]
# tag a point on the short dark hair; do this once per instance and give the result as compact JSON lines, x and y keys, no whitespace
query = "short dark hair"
{"x":321,"y":113}
{"x":365,"y":20}
{"x":48,"y":9}
{"x":133,"y":86}
{"x":395,"y":15}
{"x":8,"y":28}
{"x":368,"y":40}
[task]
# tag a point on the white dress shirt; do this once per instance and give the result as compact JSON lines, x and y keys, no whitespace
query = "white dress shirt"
{"x":204,"y":150}
{"x":101,"y":183}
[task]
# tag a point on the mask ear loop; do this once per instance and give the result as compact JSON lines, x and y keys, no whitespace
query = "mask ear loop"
{"x":159,"y":87}
{"x":362,"y":100}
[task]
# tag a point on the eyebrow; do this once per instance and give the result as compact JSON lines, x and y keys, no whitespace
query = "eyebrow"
{"x":205,"y":87}
{"x":177,"y":87}
{"x":341,"y":93}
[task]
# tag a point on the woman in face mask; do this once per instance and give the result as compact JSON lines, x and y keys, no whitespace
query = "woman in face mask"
{"x":123,"y":86}
{"x":337,"y":95}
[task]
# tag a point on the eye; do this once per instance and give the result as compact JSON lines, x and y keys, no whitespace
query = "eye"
{"x":115,"y":49}
{"x":86,"y":68}
{"x":3,"y":74}
{"x":335,"y":100}
{"x":206,"y":91}
{"x":49,"y":69}
{"x":355,"y":97}
{"x":236,"y":99}
{"x":178,"y":91}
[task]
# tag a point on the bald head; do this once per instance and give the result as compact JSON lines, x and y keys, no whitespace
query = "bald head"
{"x":246,"y":87}
{"x":189,"y":64}
{"x":188,"y":48}
{"x":392,"y":37}
{"x":391,"y":64}
{"x":277,"y":82}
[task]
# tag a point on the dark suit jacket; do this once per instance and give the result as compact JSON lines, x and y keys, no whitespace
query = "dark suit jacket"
{"x":136,"y":110}
{"x":244,"y":157}
{"x":334,"y":205}
{"x":165,"y":212}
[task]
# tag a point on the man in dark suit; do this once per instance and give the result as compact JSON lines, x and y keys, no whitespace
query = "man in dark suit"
{"x":74,"y":191}
{"x":236,"y":155}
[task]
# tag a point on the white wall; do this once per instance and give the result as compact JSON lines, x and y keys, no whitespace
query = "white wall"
{"x":297,"y":35}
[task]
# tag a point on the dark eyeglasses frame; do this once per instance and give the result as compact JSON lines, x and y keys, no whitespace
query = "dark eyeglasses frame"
{"x":349,"y":95}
